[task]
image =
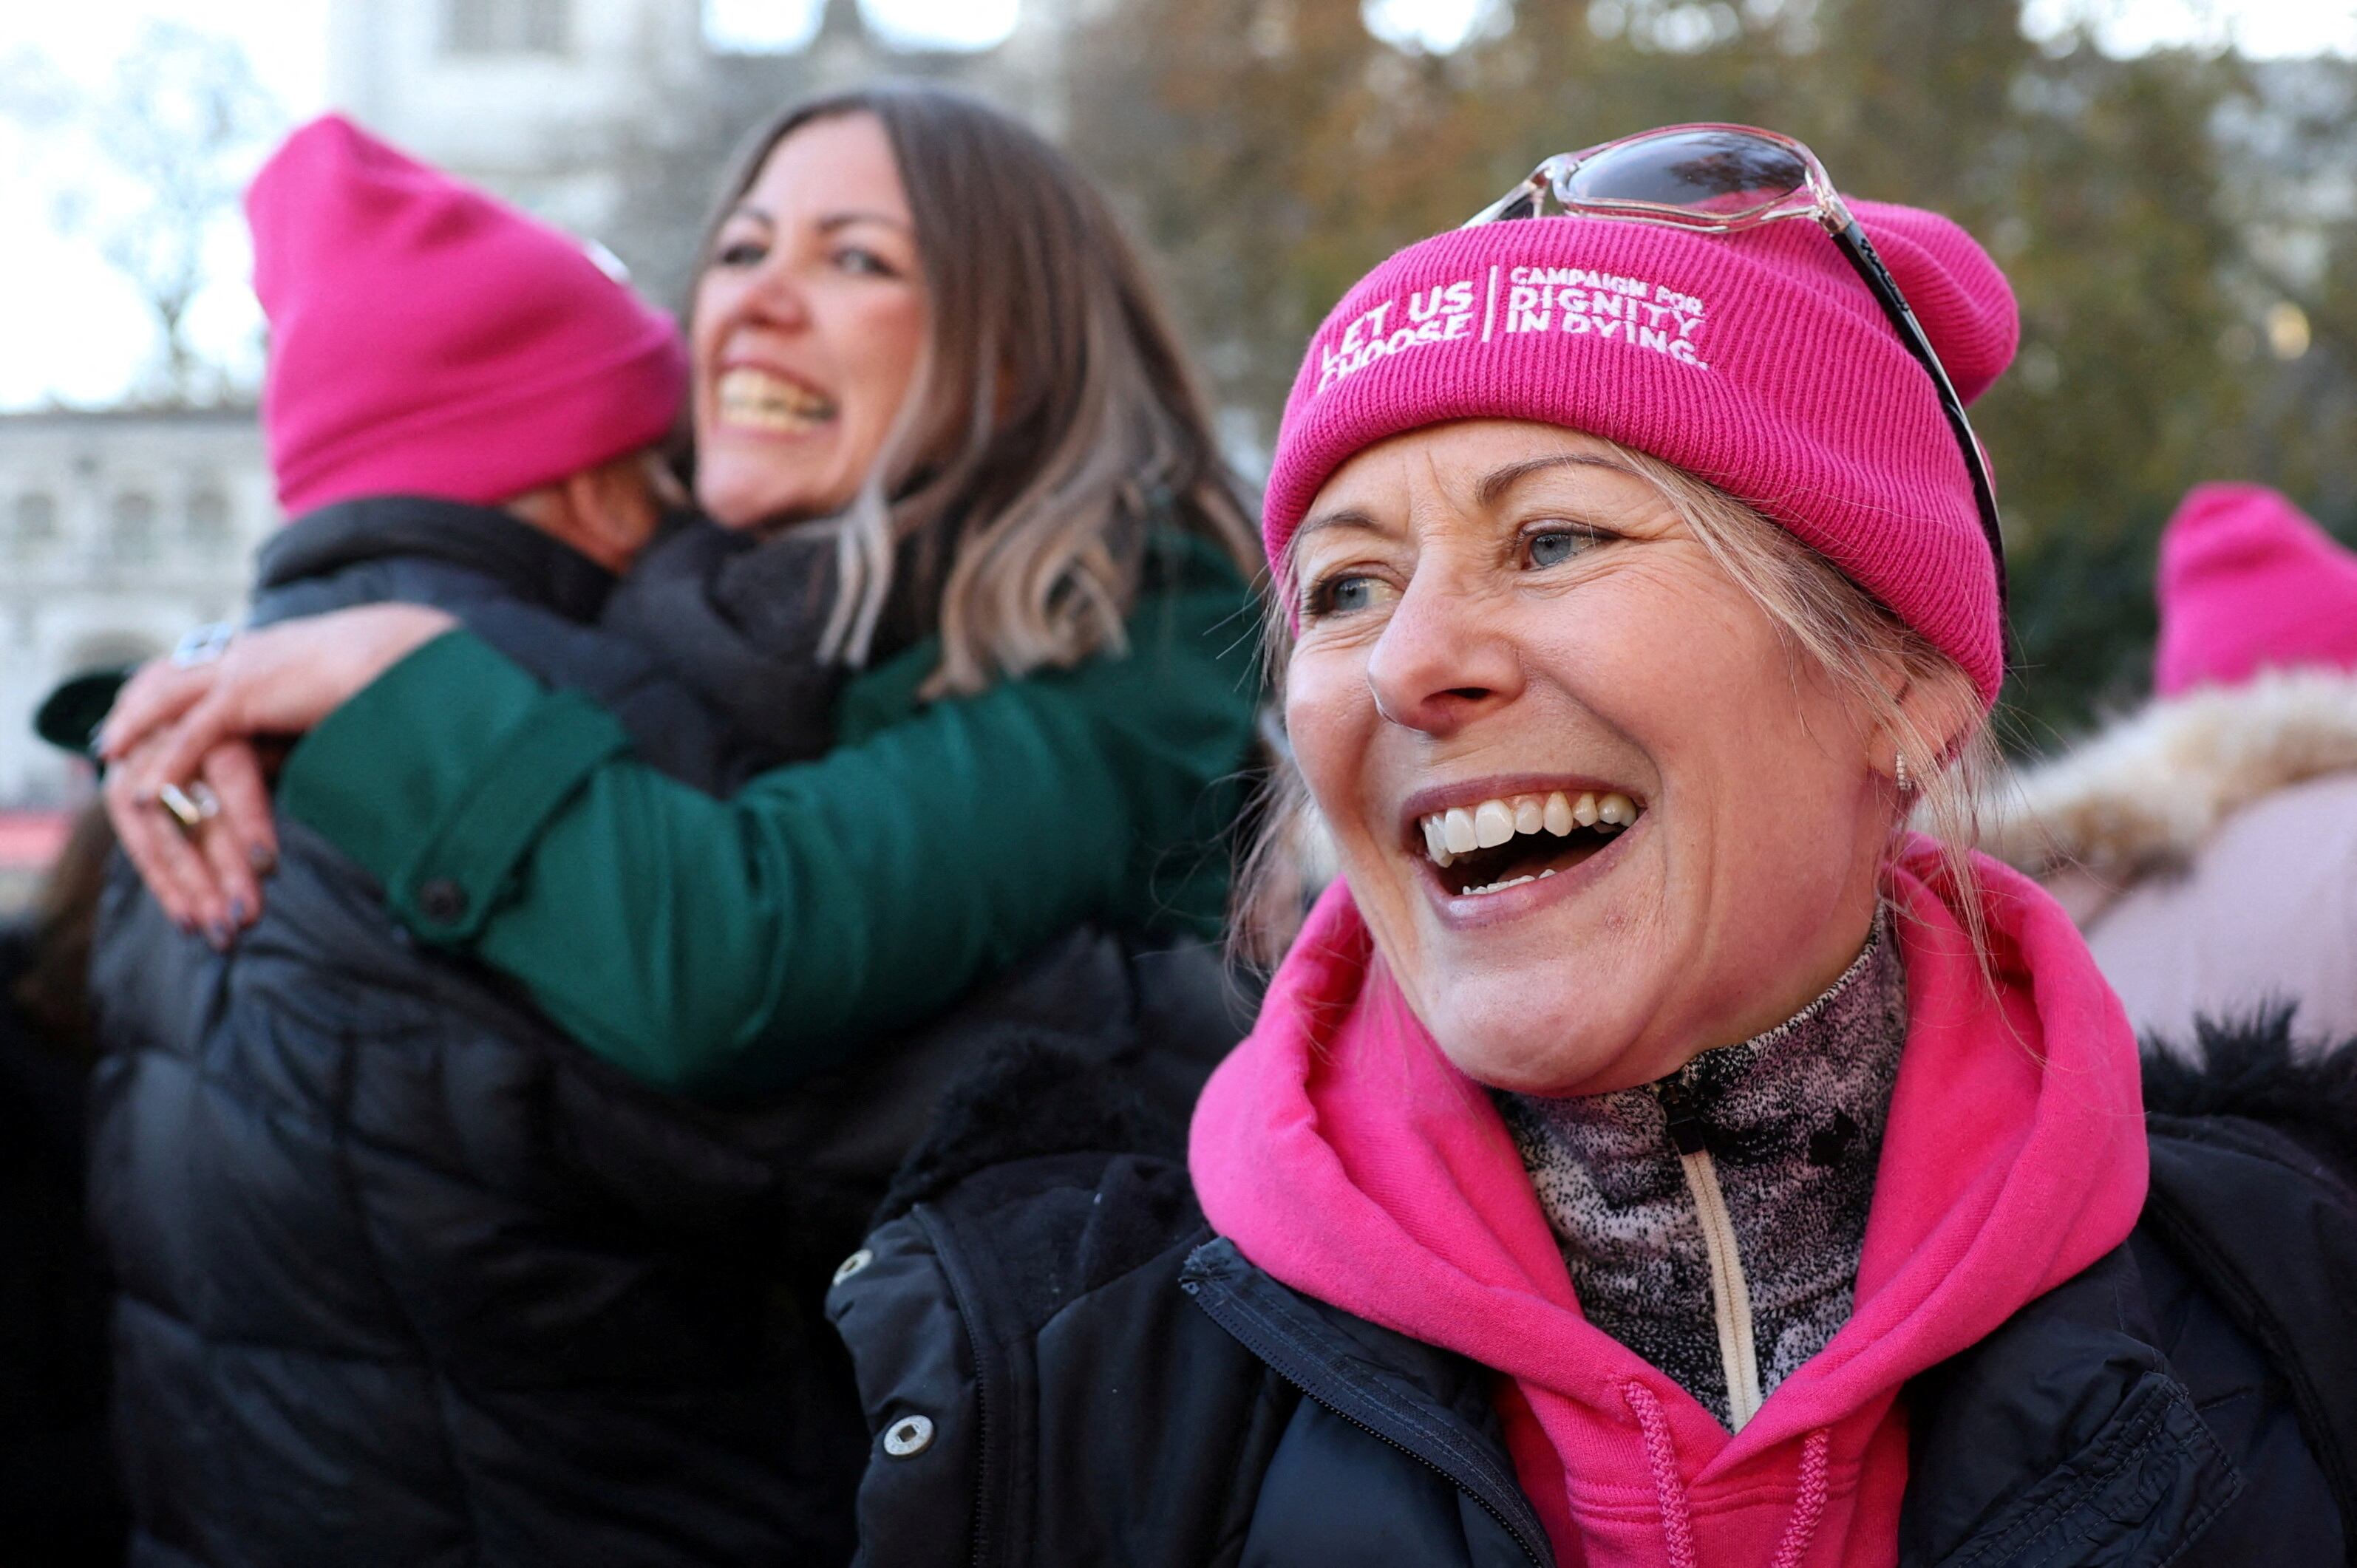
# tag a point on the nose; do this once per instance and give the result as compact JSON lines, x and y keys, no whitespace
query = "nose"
{"x":773,"y":297}
{"x":1442,"y":660}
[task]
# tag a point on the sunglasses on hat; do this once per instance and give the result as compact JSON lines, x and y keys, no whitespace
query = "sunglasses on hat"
{"x":1725,"y":179}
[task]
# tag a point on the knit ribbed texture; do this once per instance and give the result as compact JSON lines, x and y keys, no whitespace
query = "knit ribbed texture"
{"x":426,"y":340}
{"x":1792,"y":1118}
{"x":2249,"y":583}
{"x":1759,"y":361}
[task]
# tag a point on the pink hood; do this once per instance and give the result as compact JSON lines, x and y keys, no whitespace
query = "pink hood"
{"x":1340,"y":1152}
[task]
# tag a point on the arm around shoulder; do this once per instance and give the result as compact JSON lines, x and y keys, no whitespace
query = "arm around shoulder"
{"x":719,"y":946}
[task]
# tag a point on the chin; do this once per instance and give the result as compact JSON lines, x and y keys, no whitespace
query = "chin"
{"x":748,"y":505}
{"x":1512,"y":1036}
{"x":725,"y":496}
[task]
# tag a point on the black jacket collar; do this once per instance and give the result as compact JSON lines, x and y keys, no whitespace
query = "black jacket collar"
{"x":2121,"y":1468}
{"x":495,"y":542}
{"x":1429,"y":1402}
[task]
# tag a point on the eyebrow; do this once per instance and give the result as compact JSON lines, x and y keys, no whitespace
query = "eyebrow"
{"x":834,"y":220}
{"x":1493,"y":485}
{"x":826,"y":225}
{"x":1498,"y":481}
{"x":1342,"y":516}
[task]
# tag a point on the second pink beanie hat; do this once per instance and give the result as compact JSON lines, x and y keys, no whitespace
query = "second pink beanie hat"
{"x":2249,"y":583}
{"x":427,"y":340}
{"x":1759,"y":363}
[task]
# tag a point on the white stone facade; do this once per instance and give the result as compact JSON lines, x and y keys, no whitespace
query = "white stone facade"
{"x":119,"y":530}
{"x":530,"y":98}
{"x":545,"y":101}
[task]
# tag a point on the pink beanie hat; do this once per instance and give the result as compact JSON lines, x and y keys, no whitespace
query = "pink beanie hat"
{"x":1759,"y":363}
{"x":2248,"y":583}
{"x":427,"y":340}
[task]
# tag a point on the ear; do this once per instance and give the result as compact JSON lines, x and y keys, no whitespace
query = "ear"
{"x":1934,"y":717}
{"x":614,"y":510}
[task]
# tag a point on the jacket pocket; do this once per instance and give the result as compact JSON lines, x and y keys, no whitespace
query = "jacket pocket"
{"x":2137,"y":1494}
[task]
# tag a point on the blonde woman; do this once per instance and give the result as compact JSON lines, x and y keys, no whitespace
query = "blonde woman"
{"x":1649,"y":1152}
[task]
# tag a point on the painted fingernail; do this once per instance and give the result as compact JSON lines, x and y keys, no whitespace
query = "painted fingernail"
{"x":262,"y":859}
{"x":237,"y":911}
{"x":217,"y":933}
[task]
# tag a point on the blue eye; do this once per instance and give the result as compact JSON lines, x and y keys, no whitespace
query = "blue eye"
{"x":1345,"y":594}
{"x":1556,"y":544}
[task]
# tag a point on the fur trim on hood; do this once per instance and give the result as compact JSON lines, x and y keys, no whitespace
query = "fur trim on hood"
{"x":2142,"y":794}
{"x":2251,"y":1066}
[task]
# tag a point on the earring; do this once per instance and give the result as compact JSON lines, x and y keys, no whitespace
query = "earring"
{"x":1899,"y":773}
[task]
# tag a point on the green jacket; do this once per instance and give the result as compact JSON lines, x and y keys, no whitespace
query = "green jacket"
{"x":712,"y":945}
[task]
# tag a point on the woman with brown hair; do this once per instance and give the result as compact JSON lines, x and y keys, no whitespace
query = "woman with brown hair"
{"x":969,"y":390}
{"x":966,"y":473}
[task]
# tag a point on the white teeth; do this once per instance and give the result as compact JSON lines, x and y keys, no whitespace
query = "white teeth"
{"x":1457,"y":830}
{"x":1461,"y":830}
{"x":1500,"y":887}
{"x":1556,"y":818}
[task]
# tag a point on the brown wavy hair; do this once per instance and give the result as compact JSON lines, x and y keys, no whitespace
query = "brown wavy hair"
{"x":1054,"y":415}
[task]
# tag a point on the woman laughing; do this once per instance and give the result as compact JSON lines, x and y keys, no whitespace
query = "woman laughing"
{"x":1650,"y":1152}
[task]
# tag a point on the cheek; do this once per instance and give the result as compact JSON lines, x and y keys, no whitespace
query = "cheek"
{"x":886,"y":338}
{"x":1329,"y":716}
{"x":1766,"y":789}
{"x":707,"y":317}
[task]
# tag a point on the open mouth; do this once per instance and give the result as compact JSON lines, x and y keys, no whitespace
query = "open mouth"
{"x":1495,"y":845}
{"x":762,"y":400}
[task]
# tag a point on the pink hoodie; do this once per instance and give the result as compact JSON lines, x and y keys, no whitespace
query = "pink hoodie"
{"x":1340,"y":1152}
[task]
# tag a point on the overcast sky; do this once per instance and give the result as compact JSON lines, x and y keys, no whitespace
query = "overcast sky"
{"x":73,"y":332}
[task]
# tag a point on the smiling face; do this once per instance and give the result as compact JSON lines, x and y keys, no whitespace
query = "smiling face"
{"x":1597,"y":815}
{"x":808,"y":326}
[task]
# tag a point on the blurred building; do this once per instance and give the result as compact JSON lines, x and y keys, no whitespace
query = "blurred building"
{"x":535,"y":99}
{"x":118,"y":532}
{"x":615,"y":118}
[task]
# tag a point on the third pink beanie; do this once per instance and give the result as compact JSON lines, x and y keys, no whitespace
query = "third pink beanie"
{"x":1759,"y":363}
{"x":2248,"y":583}
{"x":427,"y":340}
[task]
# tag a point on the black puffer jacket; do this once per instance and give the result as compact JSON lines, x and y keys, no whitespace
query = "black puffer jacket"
{"x":57,"y":1477}
{"x":406,"y":1277}
{"x":1063,"y":1365}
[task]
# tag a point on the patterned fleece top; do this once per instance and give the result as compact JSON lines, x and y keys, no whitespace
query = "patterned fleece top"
{"x":1793,"y":1121}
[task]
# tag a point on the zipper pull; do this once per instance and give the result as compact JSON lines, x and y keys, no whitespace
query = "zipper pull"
{"x":1686,"y":1122}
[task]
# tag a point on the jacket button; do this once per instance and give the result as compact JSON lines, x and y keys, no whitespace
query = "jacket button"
{"x":442,"y":901}
{"x":853,"y":1264}
{"x":909,"y":1436}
